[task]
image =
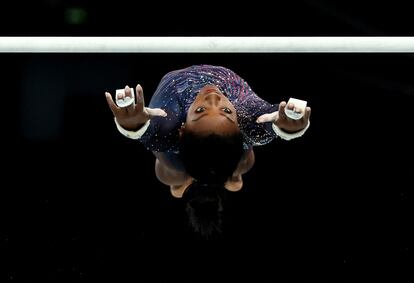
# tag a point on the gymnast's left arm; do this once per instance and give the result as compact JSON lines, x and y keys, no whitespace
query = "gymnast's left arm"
{"x":284,"y":126}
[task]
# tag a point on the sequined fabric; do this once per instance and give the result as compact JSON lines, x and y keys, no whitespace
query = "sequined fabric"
{"x":177,"y":91}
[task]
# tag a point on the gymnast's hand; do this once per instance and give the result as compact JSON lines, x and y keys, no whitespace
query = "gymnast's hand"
{"x":135,"y":115}
{"x":285,"y":123}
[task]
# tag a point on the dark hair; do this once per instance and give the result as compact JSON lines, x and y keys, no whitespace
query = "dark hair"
{"x":210,"y":160}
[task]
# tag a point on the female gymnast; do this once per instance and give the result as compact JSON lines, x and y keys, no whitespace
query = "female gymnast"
{"x":202,"y":124}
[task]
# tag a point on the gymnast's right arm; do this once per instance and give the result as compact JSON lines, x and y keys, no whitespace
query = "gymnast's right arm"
{"x":133,"y":120}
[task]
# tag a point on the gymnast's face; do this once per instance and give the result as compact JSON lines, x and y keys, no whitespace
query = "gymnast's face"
{"x":212,"y":112}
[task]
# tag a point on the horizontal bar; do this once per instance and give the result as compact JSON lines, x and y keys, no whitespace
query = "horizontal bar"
{"x":206,"y":44}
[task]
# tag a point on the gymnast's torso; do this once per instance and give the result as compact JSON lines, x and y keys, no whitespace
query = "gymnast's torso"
{"x":176,"y":92}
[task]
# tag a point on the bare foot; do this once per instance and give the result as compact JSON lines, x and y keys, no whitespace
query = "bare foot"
{"x":178,"y":190}
{"x":234,"y":184}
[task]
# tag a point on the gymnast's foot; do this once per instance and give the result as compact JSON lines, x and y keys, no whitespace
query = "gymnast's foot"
{"x":234,"y":183}
{"x":178,"y":190}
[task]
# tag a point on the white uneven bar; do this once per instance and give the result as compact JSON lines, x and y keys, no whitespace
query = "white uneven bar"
{"x":206,"y":44}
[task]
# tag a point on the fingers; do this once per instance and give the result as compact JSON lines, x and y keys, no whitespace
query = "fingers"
{"x":111,"y":103}
{"x":140,"y":98}
{"x":270,"y":117}
{"x":128,"y":93}
{"x":155,"y":112}
{"x":292,"y":111}
{"x":138,"y":107}
{"x":282,"y":107}
{"x":152,"y":112}
{"x":307,"y":113}
{"x":290,"y":106}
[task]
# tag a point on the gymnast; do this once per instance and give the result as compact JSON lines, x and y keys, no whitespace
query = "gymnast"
{"x":201,"y":124}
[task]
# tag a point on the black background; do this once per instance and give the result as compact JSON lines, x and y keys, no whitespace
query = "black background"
{"x":333,"y":204}
{"x":219,"y":18}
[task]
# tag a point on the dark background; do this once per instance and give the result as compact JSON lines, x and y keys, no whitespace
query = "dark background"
{"x":214,"y":18}
{"x":333,"y":204}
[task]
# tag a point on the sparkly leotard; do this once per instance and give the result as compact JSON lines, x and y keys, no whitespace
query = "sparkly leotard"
{"x":177,"y":91}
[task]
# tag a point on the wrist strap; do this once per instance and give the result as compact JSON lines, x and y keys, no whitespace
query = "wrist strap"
{"x":288,"y":136}
{"x":133,"y":134}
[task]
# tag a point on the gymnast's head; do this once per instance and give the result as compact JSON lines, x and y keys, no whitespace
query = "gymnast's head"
{"x":211,"y":146}
{"x":211,"y":143}
{"x":212,"y":113}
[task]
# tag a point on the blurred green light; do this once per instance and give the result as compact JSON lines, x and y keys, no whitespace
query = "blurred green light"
{"x":75,"y":16}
